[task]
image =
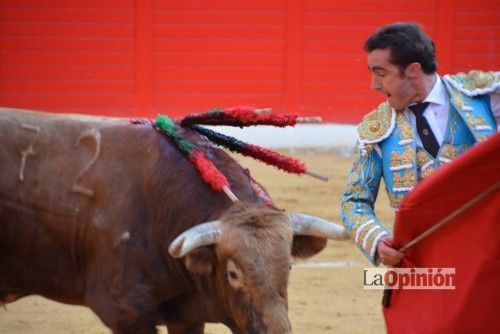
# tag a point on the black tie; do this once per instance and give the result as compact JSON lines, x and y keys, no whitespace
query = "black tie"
{"x":424,"y":130}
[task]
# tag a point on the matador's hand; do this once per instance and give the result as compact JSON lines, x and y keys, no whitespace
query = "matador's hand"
{"x":387,"y":253}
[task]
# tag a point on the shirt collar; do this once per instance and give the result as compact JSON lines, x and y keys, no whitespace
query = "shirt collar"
{"x":437,"y":94}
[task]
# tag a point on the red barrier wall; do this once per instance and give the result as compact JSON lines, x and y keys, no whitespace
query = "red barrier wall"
{"x":126,"y":57}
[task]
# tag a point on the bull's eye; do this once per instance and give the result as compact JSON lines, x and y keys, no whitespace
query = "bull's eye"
{"x":233,"y":275}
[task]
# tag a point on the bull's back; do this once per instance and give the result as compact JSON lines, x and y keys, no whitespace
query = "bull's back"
{"x":73,"y":188}
{"x":48,"y":162}
{"x":53,"y":170}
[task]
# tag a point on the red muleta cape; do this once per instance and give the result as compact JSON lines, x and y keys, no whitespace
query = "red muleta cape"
{"x":470,"y":243}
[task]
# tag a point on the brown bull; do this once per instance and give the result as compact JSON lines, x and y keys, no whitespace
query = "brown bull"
{"x":90,"y":205}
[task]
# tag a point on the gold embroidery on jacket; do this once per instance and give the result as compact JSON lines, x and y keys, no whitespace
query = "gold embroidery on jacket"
{"x":457,"y":98}
{"x":427,"y":172}
{"x":405,"y":129}
{"x":395,"y":200}
{"x":352,"y":216}
{"x":448,"y":152}
{"x":404,"y":158}
{"x":478,"y":79}
{"x":475,"y":120}
{"x":409,"y":179}
{"x":397,"y":180}
{"x":376,"y":123}
{"x":422,"y":158}
{"x":369,"y":243}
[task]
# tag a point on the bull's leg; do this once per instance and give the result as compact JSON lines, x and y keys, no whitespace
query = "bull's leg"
{"x":178,"y":328}
{"x":128,"y":321}
{"x":140,"y":323}
{"x":138,"y":327}
{"x":130,"y":313}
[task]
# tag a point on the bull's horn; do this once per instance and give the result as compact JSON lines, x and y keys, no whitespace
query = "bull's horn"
{"x":197,"y":236}
{"x":303,"y":224}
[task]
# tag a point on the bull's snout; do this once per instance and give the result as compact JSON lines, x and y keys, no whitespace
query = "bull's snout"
{"x":276,"y":319}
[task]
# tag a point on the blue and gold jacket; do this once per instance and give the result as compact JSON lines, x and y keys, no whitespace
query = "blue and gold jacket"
{"x":387,"y":149}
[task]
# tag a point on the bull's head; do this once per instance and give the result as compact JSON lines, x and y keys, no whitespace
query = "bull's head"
{"x":249,"y":252}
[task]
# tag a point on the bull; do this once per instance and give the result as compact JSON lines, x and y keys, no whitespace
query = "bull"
{"x":98,"y":212}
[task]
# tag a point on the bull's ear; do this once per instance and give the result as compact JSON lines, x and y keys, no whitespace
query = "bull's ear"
{"x":306,"y":246}
{"x":201,"y":260}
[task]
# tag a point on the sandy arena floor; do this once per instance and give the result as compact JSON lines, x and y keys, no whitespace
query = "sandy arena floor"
{"x":326,"y":294}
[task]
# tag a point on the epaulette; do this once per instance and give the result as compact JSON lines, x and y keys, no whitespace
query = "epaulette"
{"x":475,"y":82}
{"x":377,"y":125}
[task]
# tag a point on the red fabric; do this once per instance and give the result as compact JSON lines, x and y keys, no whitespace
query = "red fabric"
{"x":248,"y":116}
{"x":240,"y":116}
{"x":283,"y":162}
{"x":208,"y":171}
{"x":469,"y":243}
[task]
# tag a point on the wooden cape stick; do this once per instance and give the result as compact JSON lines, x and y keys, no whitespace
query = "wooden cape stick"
{"x":452,"y":215}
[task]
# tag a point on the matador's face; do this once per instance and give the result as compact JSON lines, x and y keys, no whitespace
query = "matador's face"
{"x":390,"y":80}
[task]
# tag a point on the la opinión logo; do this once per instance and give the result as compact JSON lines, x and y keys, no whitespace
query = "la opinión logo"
{"x":409,"y":278}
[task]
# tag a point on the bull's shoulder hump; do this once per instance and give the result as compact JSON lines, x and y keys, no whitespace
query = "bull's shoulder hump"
{"x":13,"y":113}
{"x":377,"y":124}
